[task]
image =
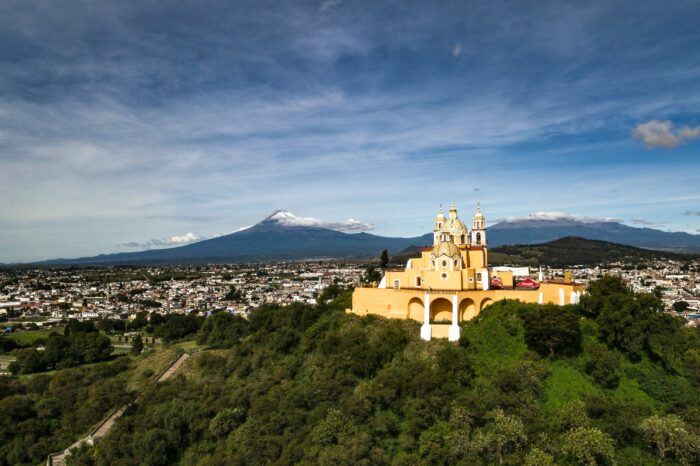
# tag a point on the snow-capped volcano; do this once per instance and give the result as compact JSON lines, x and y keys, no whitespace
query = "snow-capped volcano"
{"x":285,"y":218}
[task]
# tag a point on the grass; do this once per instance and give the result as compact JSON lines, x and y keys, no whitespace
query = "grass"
{"x":28,"y":319}
{"x":565,"y":384}
{"x":187,"y":345}
{"x":191,"y":370}
{"x":121,"y":349}
{"x":149,"y":365}
{"x":29,"y":337}
{"x":496,"y":339}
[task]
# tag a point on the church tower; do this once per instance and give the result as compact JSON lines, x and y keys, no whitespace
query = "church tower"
{"x":478,"y":233}
{"x":439,"y":223}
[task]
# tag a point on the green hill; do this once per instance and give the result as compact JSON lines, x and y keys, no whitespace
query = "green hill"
{"x":569,"y":251}
{"x":564,"y":252}
{"x":607,"y":381}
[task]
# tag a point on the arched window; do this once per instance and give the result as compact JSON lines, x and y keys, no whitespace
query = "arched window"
{"x":478,"y":238}
{"x":462,"y":239}
{"x":444,"y":263}
{"x":418,"y":281}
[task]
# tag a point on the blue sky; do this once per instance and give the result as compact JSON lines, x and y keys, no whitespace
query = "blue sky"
{"x":128,"y":123}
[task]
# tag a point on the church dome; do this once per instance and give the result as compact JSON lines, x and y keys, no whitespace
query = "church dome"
{"x":455,"y":227}
{"x":446,"y":248}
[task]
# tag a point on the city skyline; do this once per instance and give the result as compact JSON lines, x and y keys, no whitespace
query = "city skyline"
{"x":122,"y":123}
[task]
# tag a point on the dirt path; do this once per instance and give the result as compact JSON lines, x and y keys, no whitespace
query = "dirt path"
{"x":174,"y":367}
{"x":103,"y":428}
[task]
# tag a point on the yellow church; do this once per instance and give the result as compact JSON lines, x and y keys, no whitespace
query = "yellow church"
{"x":451,"y":282}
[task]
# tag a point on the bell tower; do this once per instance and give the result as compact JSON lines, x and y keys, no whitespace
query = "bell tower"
{"x":439,"y":223}
{"x":478,"y":233}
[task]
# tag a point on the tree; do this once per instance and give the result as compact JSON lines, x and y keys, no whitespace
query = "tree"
{"x":76,"y":326}
{"x":222,"y":329}
{"x":384,"y":259}
{"x":589,"y":446}
{"x":603,"y":364}
{"x":601,"y":289}
{"x":155,"y":319}
{"x":681,"y":306}
{"x":55,"y":350}
{"x":330,"y":293}
{"x":226,"y":421}
{"x":30,"y":361}
{"x":506,"y":435}
{"x":538,"y":457}
{"x":233,"y":294}
{"x":139,"y":322}
{"x":670,"y":435}
{"x":137,"y":345}
{"x":552,"y":329}
{"x":573,"y":416}
{"x":372,"y":275}
{"x":178,"y":326}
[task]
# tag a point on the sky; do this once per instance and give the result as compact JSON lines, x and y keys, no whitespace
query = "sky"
{"x":134,"y":124}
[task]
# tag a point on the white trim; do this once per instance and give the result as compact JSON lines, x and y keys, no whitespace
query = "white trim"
{"x":454,"y":331}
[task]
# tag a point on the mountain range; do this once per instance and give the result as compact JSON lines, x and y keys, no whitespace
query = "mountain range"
{"x":281,"y":236}
{"x":534,"y":231}
{"x":284,"y":236}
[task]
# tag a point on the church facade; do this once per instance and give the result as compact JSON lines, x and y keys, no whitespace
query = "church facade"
{"x":451,"y":282}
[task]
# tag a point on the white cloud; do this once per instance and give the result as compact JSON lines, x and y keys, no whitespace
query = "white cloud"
{"x":554,"y":215}
{"x":657,"y":133}
{"x":346,"y":226}
{"x":457,"y":50}
{"x":176,"y":240}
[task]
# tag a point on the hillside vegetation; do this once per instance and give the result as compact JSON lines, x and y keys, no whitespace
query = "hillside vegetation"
{"x":569,"y":251}
{"x":612,"y":381}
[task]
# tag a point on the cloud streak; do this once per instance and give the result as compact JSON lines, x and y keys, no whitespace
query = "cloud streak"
{"x":176,"y":240}
{"x":647,"y":223}
{"x":560,"y":216}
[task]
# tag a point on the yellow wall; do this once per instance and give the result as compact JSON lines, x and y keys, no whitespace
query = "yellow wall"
{"x":409,"y":303}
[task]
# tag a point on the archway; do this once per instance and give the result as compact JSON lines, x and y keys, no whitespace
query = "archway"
{"x":441,"y":310}
{"x":467,"y":309}
{"x":415,"y":309}
{"x":485,"y":302}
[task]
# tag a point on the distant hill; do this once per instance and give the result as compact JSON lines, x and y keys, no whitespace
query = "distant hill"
{"x":563,"y":252}
{"x":573,"y":250}
{"x":535,"y":231}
